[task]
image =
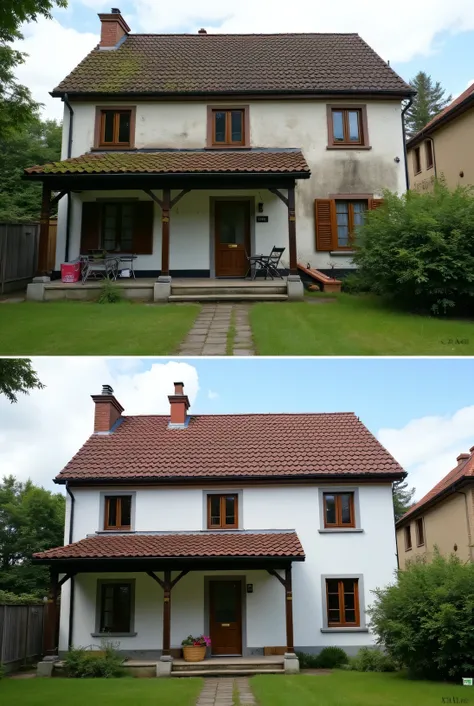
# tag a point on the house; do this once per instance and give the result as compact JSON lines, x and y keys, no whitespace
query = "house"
{"x":443,"y":518}
{"x":194,"y":151}
{"x":444,"y":148}
{"x":259,"y":530}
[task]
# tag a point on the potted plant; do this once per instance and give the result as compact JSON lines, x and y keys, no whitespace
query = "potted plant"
{"x":194,"y":648}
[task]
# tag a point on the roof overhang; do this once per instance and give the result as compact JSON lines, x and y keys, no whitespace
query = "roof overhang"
{"x":258,"y":95}
{"x":447,"y":118}
{"x":450,"y":490}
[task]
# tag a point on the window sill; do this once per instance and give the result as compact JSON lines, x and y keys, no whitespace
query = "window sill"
{"x":117,"y":148}
{"x":115,"y":531}
{"x":341,"y":530}
{"x":408,"y":550}
{"x":419,"y":546}
{"x":227,"y":147}
{"x":113,"y":634}
{"x":344,"y":629}
{"x":338,"y":253}
{"x":417,"y":173}
{"x":348,"y":147}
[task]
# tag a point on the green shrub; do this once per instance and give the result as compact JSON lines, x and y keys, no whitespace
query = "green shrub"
{"x":354,"y":284}
{"x":332,"y":657}
{"x":8,"y":598}
{"x":419,"y":249}
{"x":110,"y":292}
{"x":425,"y":621}
{"x":104,"y":664}
{"x":307,"y":661}
{"x":372,"y":660}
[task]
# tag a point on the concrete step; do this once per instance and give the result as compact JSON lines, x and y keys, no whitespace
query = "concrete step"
{"x":180,"y":290}
{"x":224,"y":666}
{"x":228,"y":298}
{"x":231,"y":672}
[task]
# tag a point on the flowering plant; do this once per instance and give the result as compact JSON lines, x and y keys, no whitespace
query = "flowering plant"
{"x":201,"y":641}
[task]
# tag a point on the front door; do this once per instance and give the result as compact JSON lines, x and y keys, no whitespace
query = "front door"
{"x":225,"y":602}
{"x":232,"y":238}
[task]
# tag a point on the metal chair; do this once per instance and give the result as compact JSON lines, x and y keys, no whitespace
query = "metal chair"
{"x":104,"y":268}
{"x":267,"y":264}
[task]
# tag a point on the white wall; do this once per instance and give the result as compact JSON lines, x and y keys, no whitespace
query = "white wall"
{"x":273,"y":124}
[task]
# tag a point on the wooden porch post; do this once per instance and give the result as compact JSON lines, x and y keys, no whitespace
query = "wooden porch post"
{"x":51,"y":617}
{"x":292,"y":230}
{"x":165,"y":232}
{"x":289,"y":611}
{"x":167,"y":614}
{"x":44,"y":230}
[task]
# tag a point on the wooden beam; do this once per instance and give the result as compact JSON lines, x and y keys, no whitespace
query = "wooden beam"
{"x":66,"y":578}
{"x":51,"y":618}
{"x":155,"y":198}
{"x":58,"y":197}
{"x":292,"y":231}
{"x":272,"y":572}
{"x":289,"y":611}
{"x":167,"y":614}
{"x":280,"y":196}
{"x":178,"y":578}
{"x":44,"y":230}
{"x":165,"y":232}
{"x":179,"y":197}
{"x":153,"y":576}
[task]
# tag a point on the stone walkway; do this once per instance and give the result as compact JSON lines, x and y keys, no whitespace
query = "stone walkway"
{"x":209,"y":334}
{"x":220,"y":692}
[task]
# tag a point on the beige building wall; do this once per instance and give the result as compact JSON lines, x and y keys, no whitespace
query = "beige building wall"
{"x":448,"y":524}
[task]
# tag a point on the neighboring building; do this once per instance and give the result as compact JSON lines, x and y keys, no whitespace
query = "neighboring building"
{"x":220,"y":510}
{"x":444,"y":517}
{"x":265,"y":140}
{"x":445,"y":147}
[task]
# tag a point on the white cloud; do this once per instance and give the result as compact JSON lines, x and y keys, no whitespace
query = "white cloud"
{"x":40,"y":433}
{"x":427,"y":447}
{"x":213,"y":395}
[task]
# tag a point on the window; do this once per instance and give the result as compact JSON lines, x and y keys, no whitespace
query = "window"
{"x":228,"y":127}
{"x":118,"y":512}
{"x":347,"y":126}
{"x":429,"y":154}
{"x":339,"y":510}
{"x":117,"y":227}
{"x":115,"y":607}
{"x":115,"y":128}
{"x":342,"y":603}
{"x":417,"y":160}
{"x":349,"y":215}
{"x":407,"y":538}
{"x":222,"y":512}
{"x":420,"y":532}
{"x":337,"y":219}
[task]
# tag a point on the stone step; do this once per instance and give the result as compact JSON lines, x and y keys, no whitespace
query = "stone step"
{"x":228,"y":298}
{"x":231,"y":672}
{"x":180,"y":290}
{"x":224,"y":666}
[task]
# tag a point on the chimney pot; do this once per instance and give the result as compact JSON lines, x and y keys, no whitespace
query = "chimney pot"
{"x":202,"y":31}
{"x":107,"y":410}
{"x":179,"y":405}
{"x":462,"y":457}
{"x":116,"y":11}
{"x":113,"y":28}
{"x":471,"y":449}
{"x":107,"y":390}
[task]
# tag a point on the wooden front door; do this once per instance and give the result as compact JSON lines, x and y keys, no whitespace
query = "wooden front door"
{"x":232,"y":238}
{"x":225,"y":603}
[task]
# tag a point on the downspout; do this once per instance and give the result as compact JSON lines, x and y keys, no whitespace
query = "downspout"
{"x":469,"y":534}
{"x":404,"y":111}
{"x":434,"y":156}
{"x":71,"y":588}
{"x":69,"y":154}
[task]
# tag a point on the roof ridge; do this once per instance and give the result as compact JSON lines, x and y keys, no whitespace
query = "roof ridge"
{"x":244,"y":34}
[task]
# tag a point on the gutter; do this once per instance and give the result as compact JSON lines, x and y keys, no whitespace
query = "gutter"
{"x":69,"y":154}
{"x":405,"y":151}
{"x":71,"y":589}
{"x":131,"y":95}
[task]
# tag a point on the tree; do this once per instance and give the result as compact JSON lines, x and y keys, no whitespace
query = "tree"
{"x":430,"y":100}
{"x":402,"y":498}
{"x":31,"y":520}
{"x":17,"y":375}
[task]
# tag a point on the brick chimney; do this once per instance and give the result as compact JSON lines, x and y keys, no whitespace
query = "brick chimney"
{"x":463,"y":457}
{"x":179,"y":405}
{"x":202,"y":31}
{"x":113,"y":28}
{"x":107,"y":410}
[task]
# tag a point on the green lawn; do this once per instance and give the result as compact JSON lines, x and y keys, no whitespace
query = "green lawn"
{"x":354,"y":325}
{"x":77,"y":328}
{"x":354,"y":689}
{"x":100,"y":692}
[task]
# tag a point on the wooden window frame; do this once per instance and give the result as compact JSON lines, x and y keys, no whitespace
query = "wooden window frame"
{"x":417,"y":169}
{"x":118,"y":500}
{"x":364,"y":143}
{"x":420,"y":536}
{"x":350,"y":246}
{"x":99,"y":122}
{"x":222,"y":497}
{"x":120,"y":205}
{"x":339,"y":524}
{"x":342,"y":613}
{"x":429,"y":154}
{"x":102,"y":584}
{"x":408,"y":539}
{"x":210,"y":141}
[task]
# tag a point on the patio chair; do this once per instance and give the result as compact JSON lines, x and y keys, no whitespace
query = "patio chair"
{"x":267,"y":264}
{"x":94,"y":268}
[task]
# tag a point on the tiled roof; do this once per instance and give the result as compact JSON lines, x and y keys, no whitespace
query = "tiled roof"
{"x":234,"y":63}
{"x":253,"y":445}
{"x":463,"y":470}
{"x":441,"y":117}
{"x":180,"y":162}
{"x":167,"y":546}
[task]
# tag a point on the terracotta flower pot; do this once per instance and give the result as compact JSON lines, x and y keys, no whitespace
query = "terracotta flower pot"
{"x":194,"y":654}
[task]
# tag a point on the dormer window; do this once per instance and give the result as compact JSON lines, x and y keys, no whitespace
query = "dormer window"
{"x":118,"y":512}
{"x":222,"y":512}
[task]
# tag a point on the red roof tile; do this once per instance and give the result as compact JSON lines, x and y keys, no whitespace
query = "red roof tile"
{"x":463,"y":471}
{"x":252,"y":445}
{"x":432,"y":125}
{"x":180,"y":64}
{"x":167,"y":546}
{"x":180,"y":162}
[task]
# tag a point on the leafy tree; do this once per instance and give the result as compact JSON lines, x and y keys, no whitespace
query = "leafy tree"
{"x":31,"y":520}
{"x":17,"y":375}
{"x":428,"y":103}
{"x":402,"y":498}
{"x":425,"y":620}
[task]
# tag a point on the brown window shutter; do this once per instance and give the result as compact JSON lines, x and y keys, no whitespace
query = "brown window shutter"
{"x":375,"y":203}
{"x":325,"y":224}
{"x":91,"y":225}
{"x":143,"y":228}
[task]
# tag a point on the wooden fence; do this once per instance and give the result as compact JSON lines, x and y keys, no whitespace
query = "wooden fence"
{"x":18,"y":255}
{"x":21,"y":634}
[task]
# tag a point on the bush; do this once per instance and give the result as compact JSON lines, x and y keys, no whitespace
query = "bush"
{"x":372,"y":660}
{"x":425,"y":621}
{"x":419,"y":249}
{"x":8,"y":598}
{"x":110,"y":292}
{"x":104,"y":664}
{"x":328,"y":658}
{"x":307,"y":661}
{"x":354,"y":284}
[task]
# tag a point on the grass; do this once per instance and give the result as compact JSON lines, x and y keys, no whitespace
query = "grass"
{"x":81,"y":328}
{"x":97,"y":692}
{"x":354,"y":689}
{"x":231,"y":334}
{"x":355,"y":325}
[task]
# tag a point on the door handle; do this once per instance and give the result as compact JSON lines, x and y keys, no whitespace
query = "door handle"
{"x":225,"y":625}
